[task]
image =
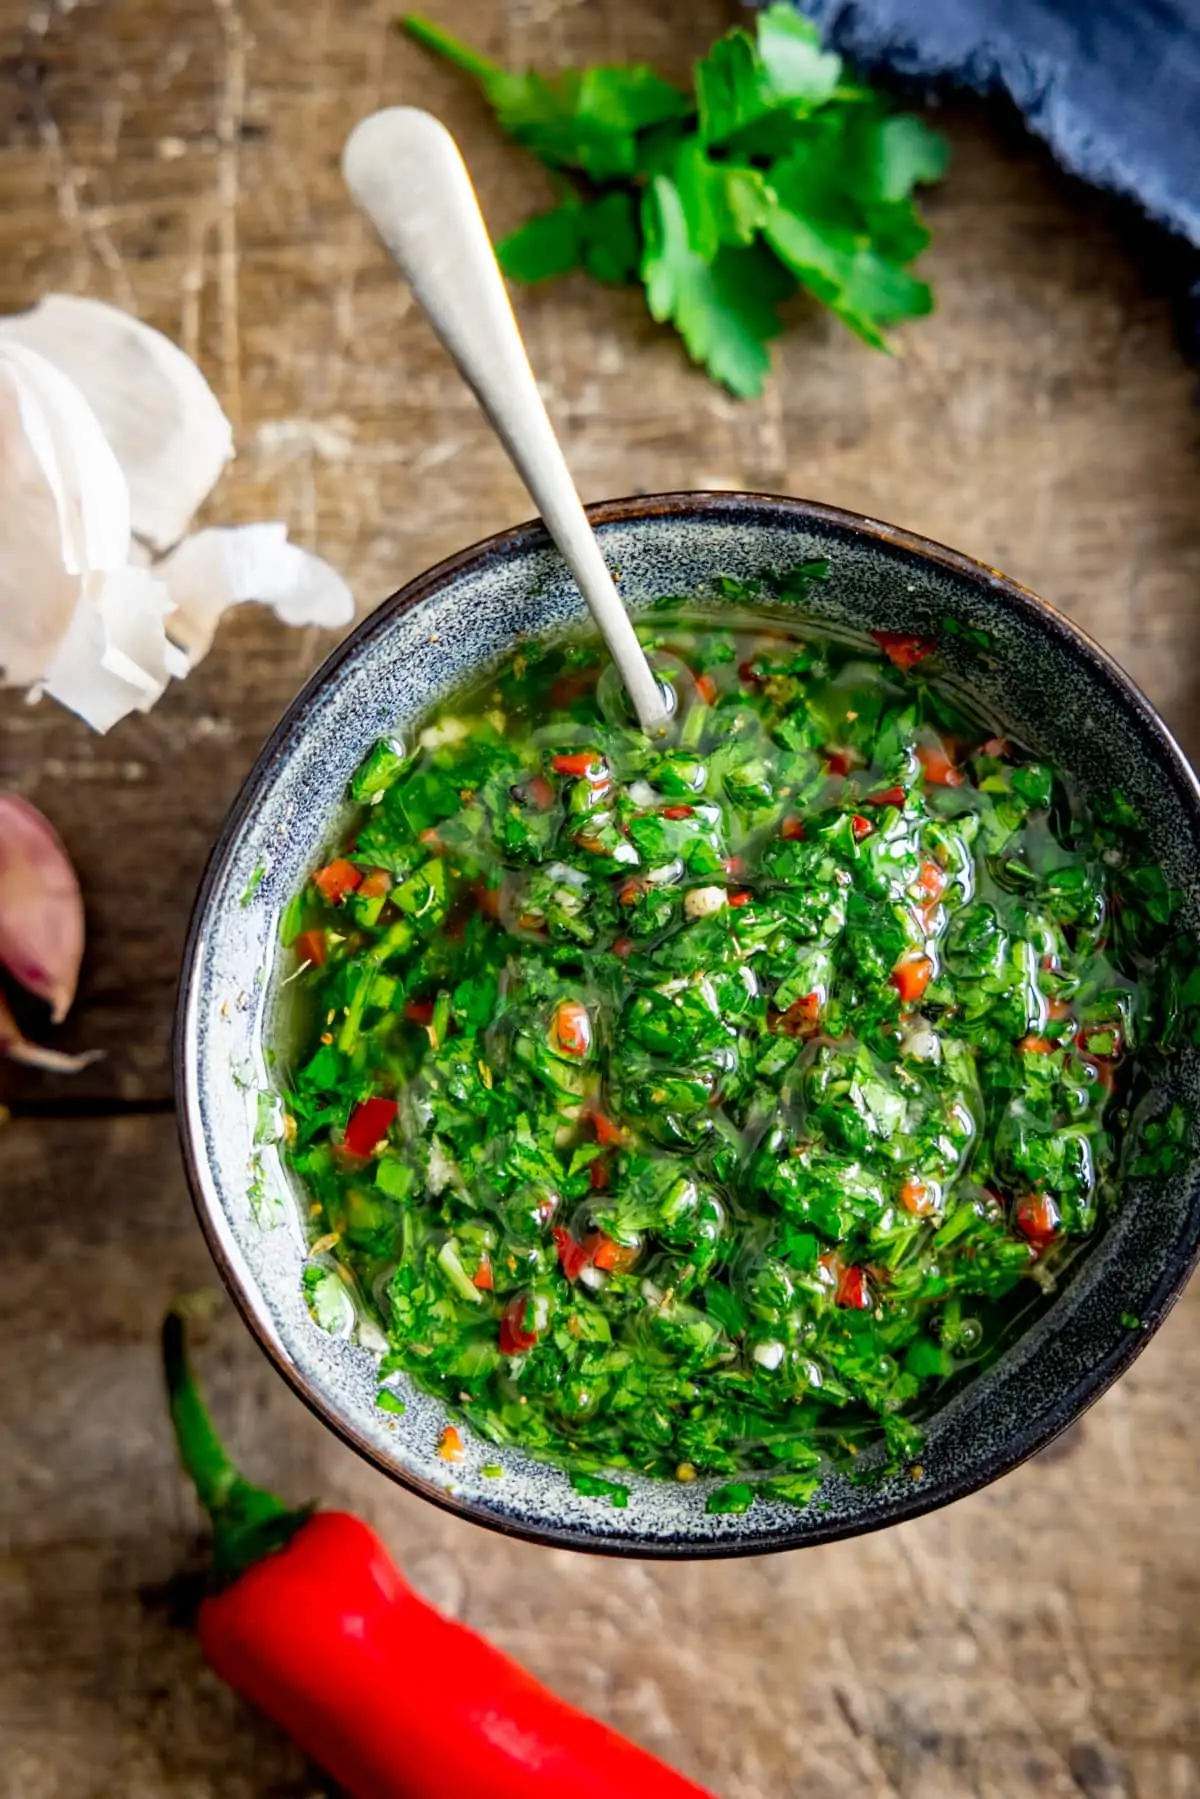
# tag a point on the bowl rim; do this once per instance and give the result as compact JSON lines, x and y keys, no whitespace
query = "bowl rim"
{"x":518,"y":539}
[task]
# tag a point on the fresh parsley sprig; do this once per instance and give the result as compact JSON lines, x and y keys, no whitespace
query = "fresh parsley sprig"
{"x":776,"y":172}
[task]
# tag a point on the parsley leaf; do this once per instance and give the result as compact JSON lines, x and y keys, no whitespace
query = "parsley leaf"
{"x":724,"y":309}
{"x":592,"y":1487}
{"x":819,"y":232}
{"x":586,"y":119}
{"x":724,"y":202}
{"x":742,"y":81}
{"x":778,"y":172}
{"x":602,"y":236}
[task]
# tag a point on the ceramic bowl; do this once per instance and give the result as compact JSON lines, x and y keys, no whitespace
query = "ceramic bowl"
{"x":1060,"y":693}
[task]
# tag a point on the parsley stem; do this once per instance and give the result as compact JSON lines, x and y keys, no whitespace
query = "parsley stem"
{"x":432,"y":37}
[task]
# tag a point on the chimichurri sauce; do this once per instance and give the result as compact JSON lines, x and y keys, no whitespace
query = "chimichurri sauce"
{"x":704,"y":1107}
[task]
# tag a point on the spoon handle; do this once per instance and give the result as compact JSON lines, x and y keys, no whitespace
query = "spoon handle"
{"x":404,"y":169}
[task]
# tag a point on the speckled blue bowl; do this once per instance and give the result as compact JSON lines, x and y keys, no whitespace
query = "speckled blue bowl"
{"x":1057,"y":690}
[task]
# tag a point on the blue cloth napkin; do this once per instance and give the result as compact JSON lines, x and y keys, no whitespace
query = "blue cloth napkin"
{"x":1112,"y":85}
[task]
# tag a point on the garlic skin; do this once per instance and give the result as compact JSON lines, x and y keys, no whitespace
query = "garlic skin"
{"x":162,"y":420}
{"x":229,"y":565}
{"x":110,"y":438}
{"x":18,"y":1048}
{"x":64,"y":510}
{"x":41,"y":907}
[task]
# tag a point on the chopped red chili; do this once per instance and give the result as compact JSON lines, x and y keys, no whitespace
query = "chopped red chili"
{"x":939,"y":770}
{"x":911,"y":976}
{"x":577,"y":762}
{"x":337,"y":879}
{"x":605,"y":1252}
{"x":369,"y":1124}
{"x":903,"y":648}
{"x":310,"y":947}
{"x":572,"y":1027}
{"x":515,"y":1335}
{"x":1036,"y":1217}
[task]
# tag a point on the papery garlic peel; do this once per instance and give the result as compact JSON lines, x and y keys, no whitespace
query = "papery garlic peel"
{"x":17,"y":1047}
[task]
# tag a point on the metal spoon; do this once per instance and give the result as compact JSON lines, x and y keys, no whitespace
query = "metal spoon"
{"x":404,"y":169}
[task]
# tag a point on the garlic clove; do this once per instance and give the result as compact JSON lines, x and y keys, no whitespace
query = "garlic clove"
{"x":162,"y":419}
{"x":64,"y":510}
{"x":225,"y":566}
{"x":41,"y":907}
{"x":18,"y":1048}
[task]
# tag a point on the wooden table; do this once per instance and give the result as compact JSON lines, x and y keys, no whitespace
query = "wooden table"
{"x":180,"y":157}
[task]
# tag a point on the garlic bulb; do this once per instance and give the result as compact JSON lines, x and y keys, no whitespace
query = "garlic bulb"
{"x":110,"y":438}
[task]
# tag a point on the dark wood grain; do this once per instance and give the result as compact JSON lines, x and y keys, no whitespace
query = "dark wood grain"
{"x":180,"y":156}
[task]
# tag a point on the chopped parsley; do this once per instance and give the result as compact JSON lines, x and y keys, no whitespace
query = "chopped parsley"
{"x":710,"y":1108}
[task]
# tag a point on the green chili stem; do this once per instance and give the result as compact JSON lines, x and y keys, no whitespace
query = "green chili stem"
{"x":247,"y":1522}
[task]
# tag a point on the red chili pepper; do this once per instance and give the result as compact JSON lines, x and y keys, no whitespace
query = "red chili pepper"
{"x":733,"y":865}
{"x":605,"y":1252}
{"x":852,"y":1291}
{"x":598,"y":1176}
{"x":419,"y":1011}
{"x":310,"y":947}
{"x":369,"y":1124}
{"x":376,"y":884}
{"x":578,"y":762}
{"x":748,"y":675}
{"x":996,"y":746}
{"x":937,"y":766}
{"x":312,"y":1622}
{"x":902,"y":648}
{"x":572,"y":1256}
{"x":792,"y":830}
{"x":838,"y":762}
{"x":568,"y":689}
{"x":572,"y":1027}
{"x":915,"y":1197}
{"x":1036,"y":1217}
{"x":706,"y":687}
{"x":489,"y":899}
{"x":911,"y":977}
{"x":606,"y":1131}
{"x":1037,"y":1046}
{"x":931,"y":881}
{"x":337,"y":879}
{"x":678,"y":811}
{"x":515,"y":1335}
{"x":622,"y":947}
{"x":630,"y":891}
{"x":861,"y":827}
{"x":540,"y":792}
{"x":483,"y":1277}
{"x":740,"y":899}
{"x":890,"y":796}
{"x":802,"y":1018}
{"x":450,"y":1445}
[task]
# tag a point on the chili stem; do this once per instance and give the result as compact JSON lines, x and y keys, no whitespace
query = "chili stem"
{"x":247,"y":1522}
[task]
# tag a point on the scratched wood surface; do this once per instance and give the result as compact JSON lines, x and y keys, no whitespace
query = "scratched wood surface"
{"x":180,"y":157}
